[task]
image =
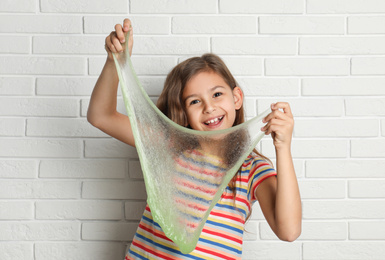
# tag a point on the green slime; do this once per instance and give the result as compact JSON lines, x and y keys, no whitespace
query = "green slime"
{"x":160,"y":142}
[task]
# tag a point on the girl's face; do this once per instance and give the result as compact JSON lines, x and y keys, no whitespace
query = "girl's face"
{"x":210,"y":103}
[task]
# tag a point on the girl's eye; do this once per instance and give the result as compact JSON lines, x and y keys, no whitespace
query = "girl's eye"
{"x":194,"y":102}
{"x":217,"y":94}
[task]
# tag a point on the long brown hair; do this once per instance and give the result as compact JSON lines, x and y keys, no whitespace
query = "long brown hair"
{"x":170,"y":100}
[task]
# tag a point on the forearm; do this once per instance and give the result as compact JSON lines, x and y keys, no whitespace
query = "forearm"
{"x":288,"y":212}
{"x":104,"y":96}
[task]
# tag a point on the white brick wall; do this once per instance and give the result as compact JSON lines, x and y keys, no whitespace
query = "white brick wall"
{"x":68,"y":191}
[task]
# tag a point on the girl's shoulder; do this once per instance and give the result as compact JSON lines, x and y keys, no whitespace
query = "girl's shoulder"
{"x":255,"y":162}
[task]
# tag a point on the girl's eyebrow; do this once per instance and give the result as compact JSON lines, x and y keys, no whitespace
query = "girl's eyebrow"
{"x":210,"y":90}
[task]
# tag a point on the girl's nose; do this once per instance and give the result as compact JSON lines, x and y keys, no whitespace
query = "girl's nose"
{"x":209,"y":108}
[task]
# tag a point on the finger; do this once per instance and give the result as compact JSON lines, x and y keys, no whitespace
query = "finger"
{"x":275,"y":114}
{"x":116,"y":43}
{"x":126,"y":24}
{"x":120,"y":33}
{"x":284,"y":106}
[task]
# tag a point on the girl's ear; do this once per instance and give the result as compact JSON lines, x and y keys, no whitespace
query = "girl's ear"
{"x":238,"y":97}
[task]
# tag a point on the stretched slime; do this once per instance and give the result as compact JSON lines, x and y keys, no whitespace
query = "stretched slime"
{"x":180,"y":194}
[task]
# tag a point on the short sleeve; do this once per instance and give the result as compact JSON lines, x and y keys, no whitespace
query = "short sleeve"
{"x":259,"y":170}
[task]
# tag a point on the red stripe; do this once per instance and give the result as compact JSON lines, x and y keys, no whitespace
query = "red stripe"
{"x":218,"y":234}
{"x":253,"y":197}
{"x":214,"y":253}
{"x":153,"y":232}
{"x":151,"y":251}
{"x":226,"y":216}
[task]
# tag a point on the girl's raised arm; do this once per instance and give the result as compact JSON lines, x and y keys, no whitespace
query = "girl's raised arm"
{"x":102,"y":108}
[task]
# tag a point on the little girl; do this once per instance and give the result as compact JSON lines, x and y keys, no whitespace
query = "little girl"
{"x":200,"y":93}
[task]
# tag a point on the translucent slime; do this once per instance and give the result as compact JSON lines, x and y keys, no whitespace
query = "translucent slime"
{"x":180,"y":194}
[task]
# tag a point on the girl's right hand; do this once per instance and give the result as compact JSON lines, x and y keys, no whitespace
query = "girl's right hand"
{"x":115,"y":41}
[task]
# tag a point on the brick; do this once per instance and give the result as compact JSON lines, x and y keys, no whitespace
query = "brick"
{"x":344,"y":6}
{"x":84,"y":6}
{"x":38,"y":231}
{"x":261,"y":87}
{"x":343,"y":250}
{"x":113,"y":190}
{"x":343,"y":209}
{"x":367,"y":230}
{"x":342,"y":45}
{"x":16,"y":210}
{"x":35,"y":148}
{"x":109,"y":231}
{"x":345,"y":168}
{"x":12,"y":127}
{"x":171,"y":45}
{"x":88,"y":169}
{"x":38,"y":107}
{"x":254,"y":45}
{"x":366,"y":25}
{"x":141,"y":24}
{"x":65,"y":127}
{"x":42,"y":65}
{"x":270,"y":250}
{"x":65,"y":86}
{"x":142,"y":65}
{"x":20,"y":6}
{"x":322,"y":189}
{"x":134,"y":210}
{"x":383,"y":127}
{"x":368,"y":66}
{"x":336,"y":128}
{"x":311,"y":148}
{"x":109,"y":148}
{"x":343,"y":86}
{"x":15,"y":169}
{"x":251,"y":231}
{"x":14,"y":44}
{"x":240,"y":65}
{"x":312,"y":231}
{"x":308,"y":107}
{"x":368,"y":148}
{"x":365,"y":107}
{"x":68,"y":45}
{"x":367,"y":189}
{"x":83,"y":210}
{"x":261,"y":7}
{"x":16,"y":86}
{"x":214,"y":25}
{"x":39,"y":189}
{"x":79,"y":250}
{"x":135,"y":170}
{"x":40,"y":24}
{"x":16,"y":251}
{"x":173,"y":6}
{"x":301,"y":25}
{"x":307,"y":66}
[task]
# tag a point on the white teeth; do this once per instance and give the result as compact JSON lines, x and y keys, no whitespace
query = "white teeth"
{"x":214,"y":120}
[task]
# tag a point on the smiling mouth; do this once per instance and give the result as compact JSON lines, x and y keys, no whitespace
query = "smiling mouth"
{"x":214,"y":121}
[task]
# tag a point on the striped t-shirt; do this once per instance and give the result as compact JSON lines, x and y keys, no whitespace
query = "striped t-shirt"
{"x":222,"y":235}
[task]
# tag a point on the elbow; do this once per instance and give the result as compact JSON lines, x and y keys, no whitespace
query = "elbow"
{"x":290,"y":235}
{"x":93,"y":120}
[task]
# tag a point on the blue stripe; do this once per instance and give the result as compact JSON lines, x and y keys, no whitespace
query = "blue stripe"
{"x":137,"y":255}
{"x":225,"y":226}
{"x":230,"y":207}
{"x":222,"y":246}
{"x":196,"y":180}
{"x":203,"y":164}
{"x":177,"y":252}
{"x":194,"y":198}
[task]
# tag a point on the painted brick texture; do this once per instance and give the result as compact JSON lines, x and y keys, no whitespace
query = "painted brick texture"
{"x":69,"y":191}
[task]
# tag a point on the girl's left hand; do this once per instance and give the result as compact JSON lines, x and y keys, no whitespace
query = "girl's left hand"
{"x":280,"y":125}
